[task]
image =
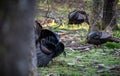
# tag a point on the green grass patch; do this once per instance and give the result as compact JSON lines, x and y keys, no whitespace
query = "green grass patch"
{"x":82,"y":40}
{"x":86,"y":64}
{"x":112,"y":45}
{"x":116,"y":33}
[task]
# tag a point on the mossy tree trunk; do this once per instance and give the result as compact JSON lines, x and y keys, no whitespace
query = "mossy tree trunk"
{"x":110,"y":14}
{"x":96,"y":15}
{"x":104,"y":14}
{"x":17,"y":46}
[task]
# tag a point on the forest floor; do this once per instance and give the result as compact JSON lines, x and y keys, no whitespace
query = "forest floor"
{"x":82,"y":59}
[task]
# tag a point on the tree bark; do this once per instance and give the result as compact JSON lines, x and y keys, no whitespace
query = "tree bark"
{"x":96,"y":15}
{"x":17,"y":46}
{"x":110,"y":14}
{"x":104,"y":14}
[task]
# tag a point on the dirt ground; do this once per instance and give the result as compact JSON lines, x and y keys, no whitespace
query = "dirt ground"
{"x":75,"y":40}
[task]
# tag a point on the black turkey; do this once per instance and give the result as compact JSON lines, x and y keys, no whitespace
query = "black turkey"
{"x":99,"y":37}
{"x":48,"y":47}
{"x":77,"y":17}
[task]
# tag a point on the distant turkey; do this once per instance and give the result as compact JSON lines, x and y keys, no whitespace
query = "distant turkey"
{"x":48,"y":46}
{"x":98,"y":38}
{"x":77,"y":17}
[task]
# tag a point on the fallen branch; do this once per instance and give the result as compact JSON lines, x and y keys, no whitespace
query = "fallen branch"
{"x":80,"y":48}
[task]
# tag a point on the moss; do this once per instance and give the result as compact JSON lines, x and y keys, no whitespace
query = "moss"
{"x":116,"y":33}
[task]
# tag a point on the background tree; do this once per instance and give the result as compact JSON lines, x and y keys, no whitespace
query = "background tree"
{"x":96,"y":15}
{"x":110,"y":14}
{"x":17,"y":46}
{"x":104,"y":14}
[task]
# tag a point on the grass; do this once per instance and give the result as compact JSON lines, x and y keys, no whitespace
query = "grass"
{"x":78,"y":63}
{"x":85,"y":66}
{"x":112,"y":45}
{"x":116,"y":33}
{"x":83,"y":63}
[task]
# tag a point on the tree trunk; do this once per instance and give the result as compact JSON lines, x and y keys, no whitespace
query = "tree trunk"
{"x":97,"y":13}
{"x":110,"y":14}
{"x":17,"y":46}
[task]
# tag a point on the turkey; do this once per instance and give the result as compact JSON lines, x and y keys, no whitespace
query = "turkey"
{"x":77,"y":17}
{"x":48,"y":47}
{"x":99,"y":37}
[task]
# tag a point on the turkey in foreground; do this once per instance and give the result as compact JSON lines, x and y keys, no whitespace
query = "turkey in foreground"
{"x":48,"y":46}
{"x":98,"y":38}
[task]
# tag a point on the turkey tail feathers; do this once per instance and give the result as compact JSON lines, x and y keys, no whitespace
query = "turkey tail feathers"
{"x":111,"y":39}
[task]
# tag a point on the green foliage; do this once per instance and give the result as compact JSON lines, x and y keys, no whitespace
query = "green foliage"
{"x":116,"y":33}
{"x":112,"y":45}
{"x":82,"y":40}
